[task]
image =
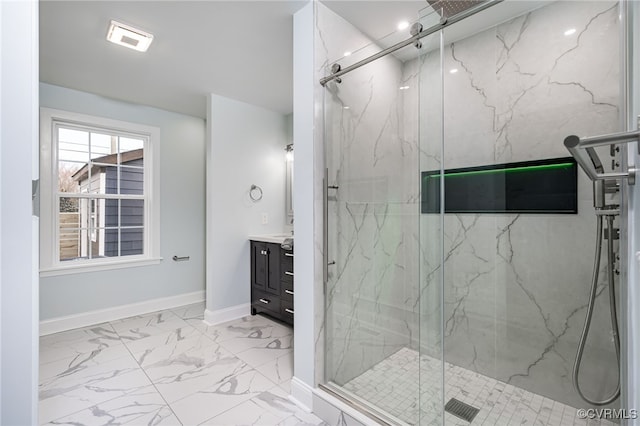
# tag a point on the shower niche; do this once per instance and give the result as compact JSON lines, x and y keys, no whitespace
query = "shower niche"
{"x":541,"y":186}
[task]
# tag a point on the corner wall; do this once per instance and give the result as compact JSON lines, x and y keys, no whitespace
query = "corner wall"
{"x":308,"y":331}
{"x":245,"y":146}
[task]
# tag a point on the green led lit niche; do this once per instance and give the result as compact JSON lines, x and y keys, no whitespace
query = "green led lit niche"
{"x":541,"y":186}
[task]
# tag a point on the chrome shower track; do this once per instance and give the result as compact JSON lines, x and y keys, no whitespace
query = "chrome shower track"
{"x":444,"y":22}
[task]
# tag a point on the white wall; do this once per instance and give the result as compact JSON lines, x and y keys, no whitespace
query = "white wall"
{"x":245,"y":146}
{"x":304,"y":207}
{"x":18,"y":228}
{"x":182,"y":214}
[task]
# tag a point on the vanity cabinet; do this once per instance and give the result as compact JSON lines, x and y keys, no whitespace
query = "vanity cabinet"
{"x":272,"y":280}
{"x":265,"y":267}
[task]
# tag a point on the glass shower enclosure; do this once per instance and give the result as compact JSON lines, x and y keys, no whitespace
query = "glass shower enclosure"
{"x":460,"y":231}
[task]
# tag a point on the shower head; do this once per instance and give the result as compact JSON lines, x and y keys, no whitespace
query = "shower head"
{"x":572,"y":143}
{"x":591,"y":166}
{"x":448,"y":8}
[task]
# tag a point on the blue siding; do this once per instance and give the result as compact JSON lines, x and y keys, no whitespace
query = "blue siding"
{"x":132,"y":211}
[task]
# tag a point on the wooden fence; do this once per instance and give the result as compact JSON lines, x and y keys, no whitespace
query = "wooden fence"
{"x":69,"y":235}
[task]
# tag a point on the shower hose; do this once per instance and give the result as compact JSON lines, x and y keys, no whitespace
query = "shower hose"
{"x":592,"y":299}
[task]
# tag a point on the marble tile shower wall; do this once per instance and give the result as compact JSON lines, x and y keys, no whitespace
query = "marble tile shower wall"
{"x":373,"y":219}
{"x":516,"y":285}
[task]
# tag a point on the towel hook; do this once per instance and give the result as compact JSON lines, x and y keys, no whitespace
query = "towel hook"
{"x":255,"y":193}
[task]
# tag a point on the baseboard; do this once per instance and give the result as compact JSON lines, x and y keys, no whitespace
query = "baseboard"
{"x":227,"y":314}
{"x":85,"y":319}
{"x":301,"y":394}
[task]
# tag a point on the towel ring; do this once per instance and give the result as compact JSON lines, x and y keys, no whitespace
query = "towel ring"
{"x":255,"y":193}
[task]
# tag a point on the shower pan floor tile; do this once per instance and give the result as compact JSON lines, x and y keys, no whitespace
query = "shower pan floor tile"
{"x":392,"y":384}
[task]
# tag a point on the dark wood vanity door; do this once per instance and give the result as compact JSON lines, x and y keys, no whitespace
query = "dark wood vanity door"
{"x":265,"y":267}
{"x":273,"y":260}
{"x":259,"y":265}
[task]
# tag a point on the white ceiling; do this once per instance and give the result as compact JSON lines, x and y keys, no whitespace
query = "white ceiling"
{"x":376,"y":18}
{"x":236,"y":48}
{"x":239,"y":49}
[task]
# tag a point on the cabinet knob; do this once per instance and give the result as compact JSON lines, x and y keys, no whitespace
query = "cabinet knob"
{"x":289,"y":310}
{"x":264,"y":252}
{"x":288,"y":273}
{"x":265,"y":301}
{"x":288,"y":291}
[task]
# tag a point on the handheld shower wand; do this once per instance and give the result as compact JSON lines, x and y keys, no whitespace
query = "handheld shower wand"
{"x":594,"y":170}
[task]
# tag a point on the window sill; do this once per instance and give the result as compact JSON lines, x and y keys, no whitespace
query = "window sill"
{"x":97,"y":267}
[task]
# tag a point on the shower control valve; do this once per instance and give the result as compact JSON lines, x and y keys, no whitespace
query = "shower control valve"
{"x":615,"y":233}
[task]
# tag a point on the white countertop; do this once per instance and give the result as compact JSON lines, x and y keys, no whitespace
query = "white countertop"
{"x":270,"y":238}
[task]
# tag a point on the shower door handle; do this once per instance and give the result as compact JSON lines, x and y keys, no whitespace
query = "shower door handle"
{"x":325,"y":230}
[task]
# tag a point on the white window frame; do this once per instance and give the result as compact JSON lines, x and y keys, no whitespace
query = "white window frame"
{"x":50,"y":265}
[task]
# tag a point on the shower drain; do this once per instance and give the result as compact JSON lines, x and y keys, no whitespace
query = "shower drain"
{"x":461,"y":410}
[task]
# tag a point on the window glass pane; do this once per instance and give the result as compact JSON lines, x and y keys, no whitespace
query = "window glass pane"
{"x":103,"y":148}
{"x":68,"y":205}
{"x":132,"y":241}
{"x":69,"y":175}
{"x":128,"y":144}
{"x":132,"y":212}
{"x":111,"y":237}
{"x":111,"y":213}
{"x":103,"y":180}
{"x":131,"y":180}
{"x":69,"y":232}
{"x":74,"y":244}
{"x":100,"y":243}
{"x":73,"y":145}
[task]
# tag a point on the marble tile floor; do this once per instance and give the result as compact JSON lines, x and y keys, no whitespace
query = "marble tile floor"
{"x":392,"y":385}
{"x":169,"y":368}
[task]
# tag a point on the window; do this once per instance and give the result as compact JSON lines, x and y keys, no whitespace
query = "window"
{"x":99,"y":201}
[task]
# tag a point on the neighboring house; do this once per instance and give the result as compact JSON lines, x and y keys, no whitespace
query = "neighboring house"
{"x":99,"y":217}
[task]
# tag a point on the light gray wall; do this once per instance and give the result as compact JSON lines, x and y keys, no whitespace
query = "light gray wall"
{"x":182,"y":213}
{"x":304,"y":204}
{"x":18,"y":228}
{"x":245,"y":147}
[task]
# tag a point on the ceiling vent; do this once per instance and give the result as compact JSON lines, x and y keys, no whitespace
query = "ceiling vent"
{"x":128,"y":36}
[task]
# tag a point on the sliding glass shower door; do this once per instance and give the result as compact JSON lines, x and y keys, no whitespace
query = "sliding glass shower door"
{"x":384,"y":288}
{"x":461,"y":232}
